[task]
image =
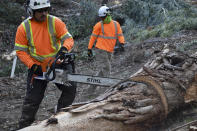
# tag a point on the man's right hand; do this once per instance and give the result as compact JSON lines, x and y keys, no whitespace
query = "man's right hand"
{"x":90,"y":54}
{"x":121,"y":47}
{"x":36,"y":69}
{"x":118,"y":49}
{"x":63,"y":50}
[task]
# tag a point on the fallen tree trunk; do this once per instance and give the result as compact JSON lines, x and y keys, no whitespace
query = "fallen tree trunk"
{"x":163,"y":84}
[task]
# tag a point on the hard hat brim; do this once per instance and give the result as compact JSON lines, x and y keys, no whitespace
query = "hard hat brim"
{"x":40,"y":6}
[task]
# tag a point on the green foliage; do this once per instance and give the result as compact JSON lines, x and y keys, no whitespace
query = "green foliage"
{"x":11,"y":12}
{"x":129,"y":29}
{"x":149,"y":12}
{"x":165,"y":17}
{"x":82,"y":25}
{"x":6,"y":67}
{"x":7,"y":37}
{"x":186,"y":46}
{"x":63,"y":3}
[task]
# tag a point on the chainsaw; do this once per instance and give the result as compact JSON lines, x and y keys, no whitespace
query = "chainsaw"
{"x":56,"y":73}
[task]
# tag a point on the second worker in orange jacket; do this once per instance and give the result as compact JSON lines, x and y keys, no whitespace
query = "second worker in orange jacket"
{"x":105,"y":33}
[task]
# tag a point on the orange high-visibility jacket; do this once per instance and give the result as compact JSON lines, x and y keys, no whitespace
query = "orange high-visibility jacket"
{"x":37,"y":41}
{"x":106,"y":36}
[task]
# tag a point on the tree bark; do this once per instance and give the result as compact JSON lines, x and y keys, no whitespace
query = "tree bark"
{"x":164,"y":83}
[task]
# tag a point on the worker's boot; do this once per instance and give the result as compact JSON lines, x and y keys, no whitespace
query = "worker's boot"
{"x":28,"y":115}
{"x":24,"y":123}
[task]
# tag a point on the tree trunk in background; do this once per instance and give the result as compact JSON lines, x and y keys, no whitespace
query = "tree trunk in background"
{"x":166,"y":82}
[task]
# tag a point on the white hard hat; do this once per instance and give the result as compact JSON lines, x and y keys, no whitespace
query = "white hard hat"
{"x":38,"y":4}
{"x":103,"y":11}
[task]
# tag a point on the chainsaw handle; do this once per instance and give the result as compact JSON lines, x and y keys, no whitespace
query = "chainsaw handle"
{"x":70,"y":58}
{"x":51,"y":69}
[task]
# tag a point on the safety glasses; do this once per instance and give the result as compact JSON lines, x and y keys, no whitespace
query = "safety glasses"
{"x":42,"y":10}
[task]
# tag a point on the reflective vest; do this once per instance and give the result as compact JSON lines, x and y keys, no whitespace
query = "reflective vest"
{"x":31,"y":50}
{"x":106,"y":35}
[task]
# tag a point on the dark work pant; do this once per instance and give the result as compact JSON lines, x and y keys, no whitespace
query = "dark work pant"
{"x":35,"y":93}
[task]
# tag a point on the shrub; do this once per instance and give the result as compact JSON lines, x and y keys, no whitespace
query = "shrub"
{"x":82,"y":25}
{"x":166,"y":16}
{"x":11,"y":12}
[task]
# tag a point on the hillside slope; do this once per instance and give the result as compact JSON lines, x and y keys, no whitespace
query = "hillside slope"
{"x":124,"y":65}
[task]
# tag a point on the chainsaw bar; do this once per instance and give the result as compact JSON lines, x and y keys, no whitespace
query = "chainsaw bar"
{"x":93,"y":80}
{"x":62,"y":78}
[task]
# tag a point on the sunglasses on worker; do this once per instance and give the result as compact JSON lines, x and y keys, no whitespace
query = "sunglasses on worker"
{"x":42,"y":10}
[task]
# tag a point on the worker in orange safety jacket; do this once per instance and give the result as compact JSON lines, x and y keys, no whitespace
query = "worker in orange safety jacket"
{"x":105,"y":33}
{"x":39,"y":38}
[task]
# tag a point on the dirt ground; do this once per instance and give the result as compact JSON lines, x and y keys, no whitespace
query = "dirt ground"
{"x":12,"y":91}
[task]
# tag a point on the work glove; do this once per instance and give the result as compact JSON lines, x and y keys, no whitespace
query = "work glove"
{"x":36,"y":69}
{"x":90,"y":54}
{"x":63,"y":50}
{"x":119,"y":48}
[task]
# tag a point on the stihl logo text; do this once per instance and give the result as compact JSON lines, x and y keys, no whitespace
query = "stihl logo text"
{"x":93,"y":80}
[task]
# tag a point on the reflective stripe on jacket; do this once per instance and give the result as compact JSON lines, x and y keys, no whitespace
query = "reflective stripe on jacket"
{"x":35,"y":42}
{"x":106,"y":36}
